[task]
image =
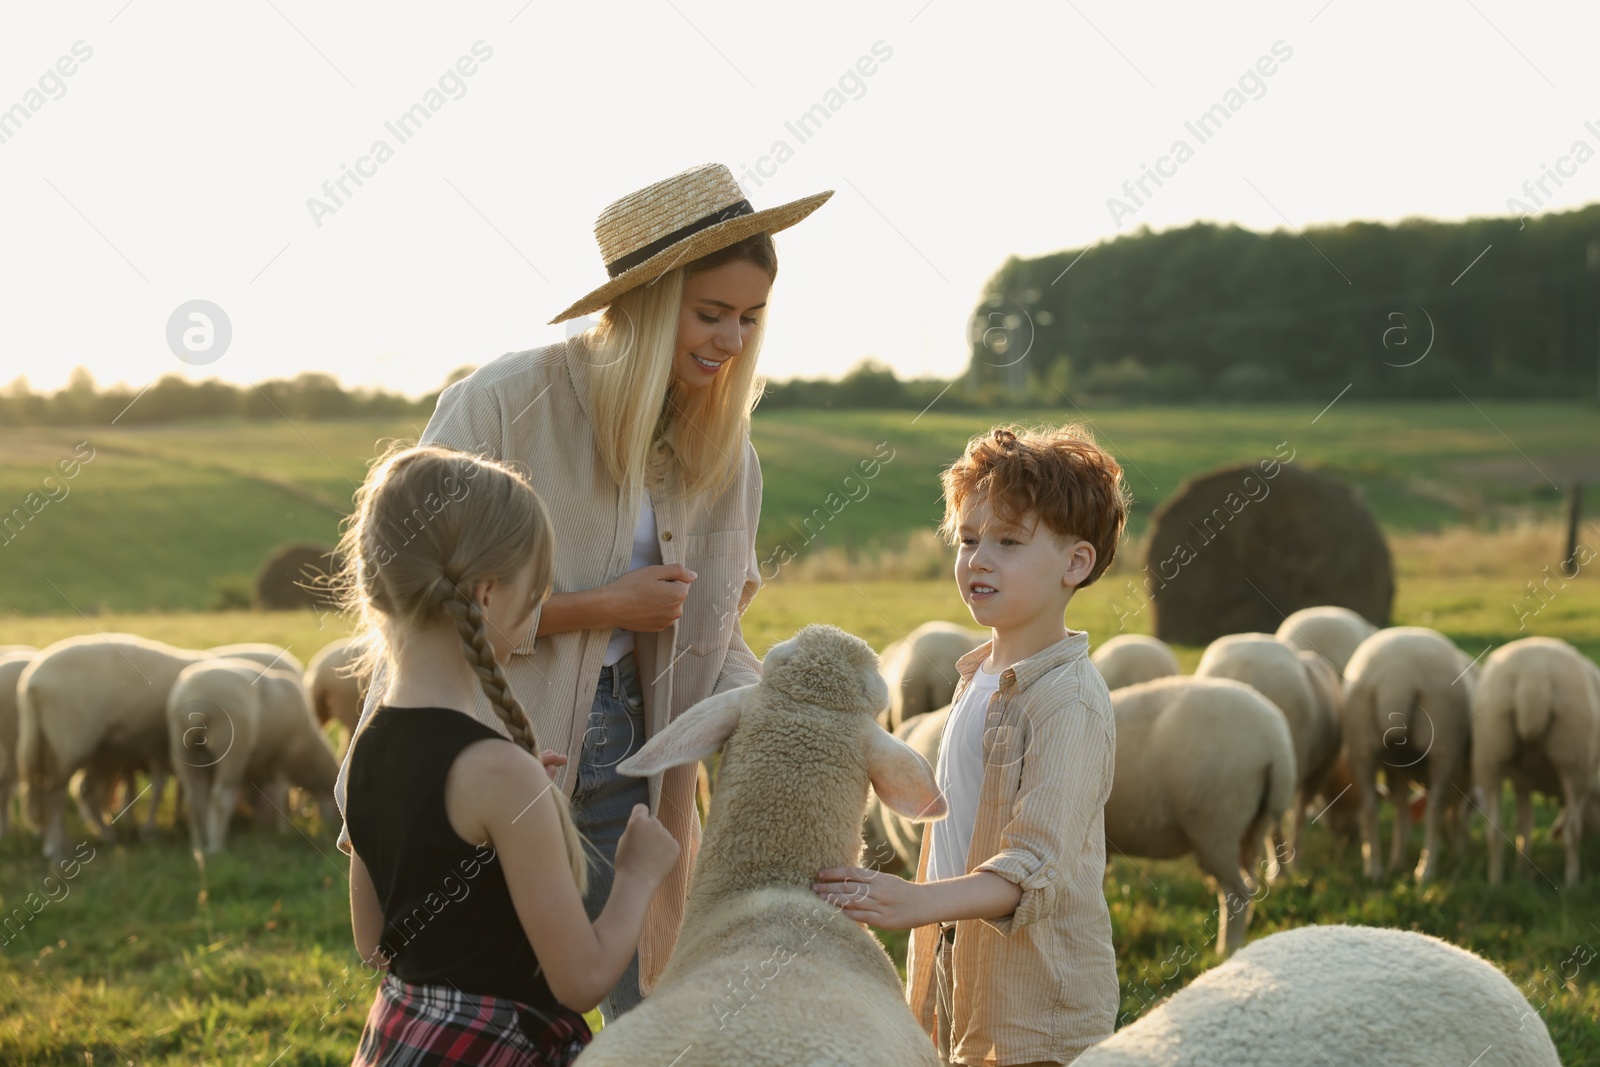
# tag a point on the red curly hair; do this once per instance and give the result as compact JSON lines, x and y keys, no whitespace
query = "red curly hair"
{"x":1056,"y":474}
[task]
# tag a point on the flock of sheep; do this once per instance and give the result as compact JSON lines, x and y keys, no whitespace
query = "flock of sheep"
{"x":1299,"y":723}
{"x":231,"y":723}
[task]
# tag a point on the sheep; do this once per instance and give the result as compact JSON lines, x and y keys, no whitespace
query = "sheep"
{"x":333,"y":692}
{"x":231,"y":723}
{"x":894,"y":842}
{"x":1408,"y":703}
{"x":1280,"y":675}
{"x":1536,"y":719}
{"x":264,"y":654}
{"x":1128,"y":659}
{"x":921,"y":669}
{"x":12,"y":665}
{"x":1327,"y":995}
{"x":764,"y":971}
{"x":1330,"y":631}
{"x":6,"y":650}
{"x":1204,"y":765}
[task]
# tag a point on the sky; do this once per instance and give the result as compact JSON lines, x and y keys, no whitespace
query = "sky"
{"x":180,"y":159}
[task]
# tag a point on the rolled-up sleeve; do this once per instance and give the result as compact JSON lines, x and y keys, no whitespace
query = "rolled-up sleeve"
{"x":740,"y":666}
{"x":1062,"y":789}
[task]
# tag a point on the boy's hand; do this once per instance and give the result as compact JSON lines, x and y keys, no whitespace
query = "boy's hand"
{"x":886,"y":901}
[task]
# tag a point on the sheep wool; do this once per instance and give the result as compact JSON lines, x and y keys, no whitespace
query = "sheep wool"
{"x":1128,"y":659}
{"x":765,"y":972}
{"x":1330,"y":631}
{"x":921,"y":669}
{"x":12,"y":664}
{"x":1328,"y":994}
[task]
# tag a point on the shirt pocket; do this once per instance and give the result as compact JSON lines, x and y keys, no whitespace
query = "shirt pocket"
{"x":720,"y":560}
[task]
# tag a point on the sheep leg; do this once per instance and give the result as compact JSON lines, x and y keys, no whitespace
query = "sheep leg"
{"x":1297,"y":825}
{"x":55,"y":821}
{"x":1430,"y":836}
{"x":1400,"y":796}
{"x":1525,"y":825}
{"x":1576,"y":793}
{"x":91,"y":796}
{"x":1367,"y":786}
{"x":1494,"y":836}
{"x":158,"y":786}
{"x":1227,"y":864}
{"x":224,"y":795}
{"x":194,"y":787}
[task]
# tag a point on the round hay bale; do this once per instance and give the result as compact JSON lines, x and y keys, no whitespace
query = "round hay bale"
{"x":1237,"y":549}
{"x":296,"y":576}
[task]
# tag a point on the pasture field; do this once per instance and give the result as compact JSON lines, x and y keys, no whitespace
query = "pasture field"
{"x":178,"y":517}
{"x":148,"y":957}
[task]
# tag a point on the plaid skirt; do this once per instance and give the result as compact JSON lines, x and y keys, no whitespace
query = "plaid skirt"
{"x":432,"y":1025}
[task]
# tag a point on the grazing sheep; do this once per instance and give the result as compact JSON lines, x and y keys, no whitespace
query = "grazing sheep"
{"x":12,"y":665}
{"x":1327,"y":995}
{"x":1408,"y":710}
{"x":894,"y":842}
{"x":99,"y":694}
{"x":1204,"y":765}
{"x":764,"y":971}
{"x":1128,"y":659}
{"x":1274,"y":670}
{"x":1332,"y":632}
{"x":333,"y":692}
{"x":230,"y":724}
{"x":921,"y":669}
{"x":1536,"y":719}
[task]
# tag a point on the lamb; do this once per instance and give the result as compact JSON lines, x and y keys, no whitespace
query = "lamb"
{"x":1327,"y":995}
{"x":1408,"y":705}
{"x":333,"y":692}
{"x":764,"y":971}
{"x":12,"y":665}
{"x":1536,"y":719}
{"x":1204,"y":765}
{"x":1330,"y":631}
{"x":264,"y":654}
{"x":894,"y":841}
{"x":1128,"y":659}
{"x":231,"y":723}
{"x":921,"y":669}
{"x":1274,"y":669}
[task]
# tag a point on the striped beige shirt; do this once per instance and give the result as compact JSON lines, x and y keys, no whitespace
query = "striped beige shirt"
{"x":531,"y":409}
{"x":1041,"y":983}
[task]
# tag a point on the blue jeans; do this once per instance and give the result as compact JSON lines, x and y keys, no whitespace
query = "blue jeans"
{"x":602,"y":800}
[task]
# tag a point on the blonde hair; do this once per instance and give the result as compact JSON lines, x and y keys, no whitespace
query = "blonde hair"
{"x":630,"y":353}
{"x":431,"y":523}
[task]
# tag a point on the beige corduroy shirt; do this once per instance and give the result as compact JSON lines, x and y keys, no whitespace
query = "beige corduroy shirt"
{"x":1039,"y":985}
{"x":531,"y":409}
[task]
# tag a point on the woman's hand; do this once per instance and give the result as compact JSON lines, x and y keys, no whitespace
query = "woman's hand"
{"x":646,"y":848}
{"x":551,"y":760}
{"x":649,"y":599}
{"x":886,"y":901}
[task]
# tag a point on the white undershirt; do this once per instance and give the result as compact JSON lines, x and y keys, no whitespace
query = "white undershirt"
{"x":960,"y":777}
{"x":646,"y":553}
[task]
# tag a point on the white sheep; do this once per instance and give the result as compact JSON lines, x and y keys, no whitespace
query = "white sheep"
{"x":230,"y":724}
{"x":764,"y":971}
{"x":1279,"y":674}
{"x":1408,"y":711}
{"x":1204,"y":765}
{"x":8,"y":649}
{"x":1332,"y":632}
{"x":1128,"y":659}
{"x":332,"y":690}
{"x":1328,"y":995}
{"x":1536,"y":720}
{"x":894,"y":841}
{"x":266,"y":655}
{"x":921,"y":669}
{"x":12,"y":665}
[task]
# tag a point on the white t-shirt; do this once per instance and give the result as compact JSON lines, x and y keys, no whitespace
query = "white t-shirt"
{"x":646,"y":553}
{"x":960,"y":777}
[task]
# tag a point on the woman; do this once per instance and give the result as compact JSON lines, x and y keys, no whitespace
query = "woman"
{"x":636,"y":435}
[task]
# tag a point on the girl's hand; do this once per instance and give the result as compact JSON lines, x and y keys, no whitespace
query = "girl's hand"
{"x":646,"y":848}
{"x":886,"y":901}
{"x":649,"y":599}
{"x":551,"y":761}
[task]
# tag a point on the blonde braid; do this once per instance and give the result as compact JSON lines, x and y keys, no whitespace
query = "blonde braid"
{"x":474,"y":631}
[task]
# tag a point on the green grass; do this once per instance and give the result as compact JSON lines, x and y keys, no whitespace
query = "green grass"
{"x":165,"y":516}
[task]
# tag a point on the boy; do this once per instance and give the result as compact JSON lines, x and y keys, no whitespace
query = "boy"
{"x":1011,"y":959}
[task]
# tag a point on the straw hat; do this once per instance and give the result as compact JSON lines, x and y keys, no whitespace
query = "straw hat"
{"x":678,"y":220}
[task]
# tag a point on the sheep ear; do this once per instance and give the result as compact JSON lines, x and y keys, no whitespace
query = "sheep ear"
{"x":692,"y":736}
{"x":902,"y":778}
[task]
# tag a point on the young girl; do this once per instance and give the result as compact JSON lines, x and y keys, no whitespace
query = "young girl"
{"x":466,"y":873}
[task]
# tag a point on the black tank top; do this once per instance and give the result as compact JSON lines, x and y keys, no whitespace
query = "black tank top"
{"x":447,"y":913}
